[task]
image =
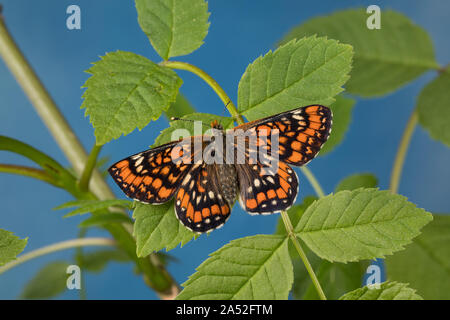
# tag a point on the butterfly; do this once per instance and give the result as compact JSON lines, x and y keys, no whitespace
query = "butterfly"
{"x":204,"y":189}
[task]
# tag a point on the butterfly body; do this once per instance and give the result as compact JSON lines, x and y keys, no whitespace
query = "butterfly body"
{"x":206,"y":174}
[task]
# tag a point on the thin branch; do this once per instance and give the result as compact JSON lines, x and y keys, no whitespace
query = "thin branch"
{"x":301,"y":253}
{"x":47,"y":110}
{"x":29,"y":172}
{"x":57,"y":247}
{"x":314,"y":182}
{"x":83,"y":184}
{"x":401,"y":152}
{"x":211,"y":82}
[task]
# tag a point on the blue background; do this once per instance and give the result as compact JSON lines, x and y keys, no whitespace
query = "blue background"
{"x":240,"y":31}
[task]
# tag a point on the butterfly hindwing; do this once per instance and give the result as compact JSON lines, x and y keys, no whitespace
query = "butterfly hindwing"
{"x":199,"y":203}
{"x":265,"y":191}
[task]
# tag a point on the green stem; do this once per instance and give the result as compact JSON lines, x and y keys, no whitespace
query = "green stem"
{"x":83,"y":184}
{"x":314,"y":182}
{"x":401,"y":152}
{"x":211,"y":82}
{"x":155,"y":276}
{"x":47,"y":109}
{"x":28,"y":172}
{"x":301,"y":253}
{"x":57,"y":247}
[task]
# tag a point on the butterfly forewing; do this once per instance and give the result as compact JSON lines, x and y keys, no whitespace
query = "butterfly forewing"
{"x":300,"y":132}
{"x":153,"y":176}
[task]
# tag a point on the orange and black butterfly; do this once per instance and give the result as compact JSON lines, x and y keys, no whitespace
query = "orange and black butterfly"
{"x":206,"y":190}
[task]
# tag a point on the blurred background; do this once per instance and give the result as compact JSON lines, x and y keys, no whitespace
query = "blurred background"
{"x":240,"y":31}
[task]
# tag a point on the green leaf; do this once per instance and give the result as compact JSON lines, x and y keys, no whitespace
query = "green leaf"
{"x":126,"y":91}
{"x":49,"y":282}
{"x":386,"y":291}
{"x":433,"y":108}
{"x":10,"y":246}
{"x":358,"y":180}
{"x":385,"y":59}
{"x":156,"y":227}
{"x":105,"y":218}
{"x":308,"y":71}
{"x":174,"y":27}
{"x":256,"y":267}
{"x":360,"y":224}
{"x":180,"y":107}
{"x":190,"y":128}
{"x":342,"y":113}
{"x":86,"y":206}
{"x":425,"y":263}
{"x":96,"y":261}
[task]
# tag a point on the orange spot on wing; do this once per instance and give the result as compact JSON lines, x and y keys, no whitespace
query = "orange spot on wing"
{"x":122,"y":164}
{"x":284,"y":185}
{"x":158,"y":159}
{"x":165,"y":170}
{"x":315,"y":118}
{"x":190,"y":211}
{"x":148,"y":180}
{"x":302,"y":137}
{"x":185,"y":201}
{"x":281,"y":126}
{"x":199,"y":187}
{"x":157,"y":183}
{"x":296,"y":145}
{"x":260,"y":197}
{"x":124,"y":173}
{"x":205,"y":212}
{"x":164,"y":192}
{"x":138,"y":181}
{"x":283,"y":139}
{"x":180,"y":194}
{"x":156,"y":170}
{"x":251,"y":203}
{"x":309,"y":132}
{"x":197,"y":216}
{"x":283,"y":171}
{"x":315,"y":125}
{"x":311,"y":109}
{"x":264,"y":130}
{"x":271,"y":194}
{"x":215,"y":209}
{"x":281,"y":194}
{"x":130,"y":178}
{"x":295,"y":157}
{"x":225,"y":209}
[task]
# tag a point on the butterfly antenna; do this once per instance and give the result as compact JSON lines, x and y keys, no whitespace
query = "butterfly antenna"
{"x":188,"y":120}
{"x":223,"y":111}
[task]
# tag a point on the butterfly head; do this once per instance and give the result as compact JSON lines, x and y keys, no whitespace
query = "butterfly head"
{"x":216,"y":125}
